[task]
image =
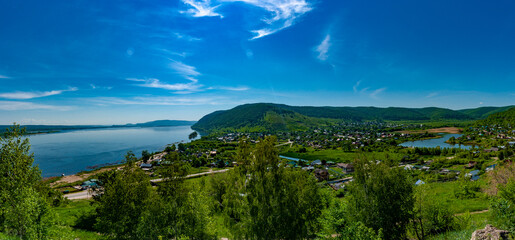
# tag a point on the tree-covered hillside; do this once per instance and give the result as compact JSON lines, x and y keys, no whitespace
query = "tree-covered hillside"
{"x":269,"y":116}
{"x":501,"y":118}
{"x":484,"y":112}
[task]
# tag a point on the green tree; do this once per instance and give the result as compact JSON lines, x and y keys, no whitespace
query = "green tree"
{"x":335,"y":218}
{"x":430,"y":216}
{"x":170,"y":148}
{"x":178,"y":210}
{"x":126,"y":196}
{"x":503,"y":206}
{"x":145,"y":155}
{"x":380,"y":197}
{"x":181,"y":147}
{"x":270,"y":201}
{"x":23,"y":210}
{"x":193,"y":135}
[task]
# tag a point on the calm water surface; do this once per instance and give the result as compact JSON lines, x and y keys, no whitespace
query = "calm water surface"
{"x":74,"y":151}
{"x":436,"y":142}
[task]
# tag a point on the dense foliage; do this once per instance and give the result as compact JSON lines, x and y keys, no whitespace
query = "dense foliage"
{"x":381,"y":198}
{"x":24,"y":211}
{"x":268,"y":200}
{"x":505,"y":118}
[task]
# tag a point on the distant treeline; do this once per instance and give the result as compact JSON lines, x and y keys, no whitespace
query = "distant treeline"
{"x":31,"y":129}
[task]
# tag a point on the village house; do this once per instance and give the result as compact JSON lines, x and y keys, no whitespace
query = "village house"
{"x":321,"y":174}
{"x":346,"y":167}
{"x":146,"y":166}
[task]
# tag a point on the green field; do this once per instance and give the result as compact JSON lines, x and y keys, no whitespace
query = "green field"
{"x":337,"y":155}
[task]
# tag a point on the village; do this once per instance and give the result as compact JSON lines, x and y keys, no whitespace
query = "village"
{"x":327,"y":153}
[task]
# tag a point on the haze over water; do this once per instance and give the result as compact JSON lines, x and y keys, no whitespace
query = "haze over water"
{"x":73,"y":151}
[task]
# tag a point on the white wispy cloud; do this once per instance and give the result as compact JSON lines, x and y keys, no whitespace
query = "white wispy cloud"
{"x":201,"y":8}
{"x":367,"y":91}
{"x":30,"y":95}
{"x":374,"y":93}
{"x":186,"y":71}
{"x":283,"y":14}
{"x":238,"y":89}
{"x":235,"y":88}
{"x":186,"y":37}
{"x":323,"y":48}
{"x":16,"y":105}
{"x":156,"y":83}
{"x":93,"y":86}
{"x":433,"y":94}
{"x":158,"y":101}
{"x":3,"y":77}
{"x":355,"y":87}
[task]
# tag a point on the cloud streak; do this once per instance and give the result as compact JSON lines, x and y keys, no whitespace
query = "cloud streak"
{"x":238,"y":89}
{"x":284,"y":13}
{"x":31,"y":95}
{"x":4,"y":77}
{"x":158,"y":101}
{"x":186,"y":71}
{"x":156,"y":83}
{"x":374,"y":93}
{"x":186,"y":37}
{"x":323,"y":48}
{"x":201,"y":8}
{"x":17,"y":105}
{"x":433,"y":94}
{"x":355,"y":87}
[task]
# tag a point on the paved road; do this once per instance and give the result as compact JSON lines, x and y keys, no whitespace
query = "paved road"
{"x":79,"y":195}
{"x":194,"y":175}
{"x":88,"y":194}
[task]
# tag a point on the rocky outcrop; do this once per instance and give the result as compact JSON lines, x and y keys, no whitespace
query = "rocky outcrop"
{"x":490,"y":233}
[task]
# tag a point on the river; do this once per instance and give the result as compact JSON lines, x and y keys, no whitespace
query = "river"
{"x":436,"y":142}
{"x":70,"y":152}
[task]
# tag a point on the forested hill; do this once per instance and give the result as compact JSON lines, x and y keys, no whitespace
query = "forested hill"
{"x":484,"y":112}
{"x":269,"y":116}
{"x":501,"y":118}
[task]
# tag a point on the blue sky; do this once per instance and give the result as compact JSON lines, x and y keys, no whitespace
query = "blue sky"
{"x":113,"y":62}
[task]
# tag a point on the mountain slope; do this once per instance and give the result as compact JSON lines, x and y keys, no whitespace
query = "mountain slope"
{"x":269,"y":116}
{"x":501,"y":118}
{"x":483,"y":112}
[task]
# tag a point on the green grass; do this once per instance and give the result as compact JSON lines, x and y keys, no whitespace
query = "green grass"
{"x":67,"y":217}
{"x":337,"y":155}
{"x":475,"y":222}
{"x":445,"y":192}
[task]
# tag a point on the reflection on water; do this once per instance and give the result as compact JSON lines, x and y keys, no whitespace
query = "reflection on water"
{"x":73,"y":151}
{"x":436,"y":142}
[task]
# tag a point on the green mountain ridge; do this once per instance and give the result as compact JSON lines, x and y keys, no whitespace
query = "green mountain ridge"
{"x":484,"y":112}
{"x":505,"y":118}
{"x":271,"y":116}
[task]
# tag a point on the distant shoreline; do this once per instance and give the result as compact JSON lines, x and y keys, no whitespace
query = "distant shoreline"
{"x":45,"y":129}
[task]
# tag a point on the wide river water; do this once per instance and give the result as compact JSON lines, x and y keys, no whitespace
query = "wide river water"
{"x":70,"y":152}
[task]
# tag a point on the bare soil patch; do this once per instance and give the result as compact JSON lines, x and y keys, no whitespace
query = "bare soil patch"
{"x":78,"y":177}
{"x":435,"y":130}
